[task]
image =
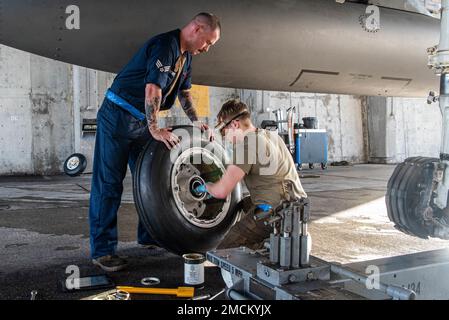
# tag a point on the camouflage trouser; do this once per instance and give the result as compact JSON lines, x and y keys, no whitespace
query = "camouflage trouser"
{"x":246,"y":231}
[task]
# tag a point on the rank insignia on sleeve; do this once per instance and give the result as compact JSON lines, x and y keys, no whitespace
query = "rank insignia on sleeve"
{"x":161,"y":67}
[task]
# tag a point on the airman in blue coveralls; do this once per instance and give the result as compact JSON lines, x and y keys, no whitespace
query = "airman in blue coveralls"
{"x":158,"y":73}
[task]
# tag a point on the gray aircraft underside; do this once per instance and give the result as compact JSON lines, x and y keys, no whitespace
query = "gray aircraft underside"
{"x":305,"y":45}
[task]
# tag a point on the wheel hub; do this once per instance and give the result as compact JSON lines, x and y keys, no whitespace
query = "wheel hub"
{"x":186,"y":175}
{"x":73,"y":163}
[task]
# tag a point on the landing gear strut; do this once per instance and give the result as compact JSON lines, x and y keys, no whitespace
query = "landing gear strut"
{"x":417,"y":196}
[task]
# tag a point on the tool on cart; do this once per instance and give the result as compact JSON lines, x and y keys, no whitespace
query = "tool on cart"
{"x":180,"y":292}
{"x":284,"y":126}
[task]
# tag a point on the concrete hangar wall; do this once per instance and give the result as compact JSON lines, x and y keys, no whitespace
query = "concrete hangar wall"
{"x":43,"y":103}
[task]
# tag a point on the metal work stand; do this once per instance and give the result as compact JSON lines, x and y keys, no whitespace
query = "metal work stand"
{"x":289,"y":246}
{"x":287,"y":271}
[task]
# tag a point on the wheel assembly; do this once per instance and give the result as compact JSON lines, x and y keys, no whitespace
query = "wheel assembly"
{"x":410,"y":196}
{"x":75,"y":164}
{"x":178,"y":218}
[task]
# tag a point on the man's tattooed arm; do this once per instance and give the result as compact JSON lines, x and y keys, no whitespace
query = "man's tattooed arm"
{"x":153,"y":97}
{"x":152,"y":107}
{"x":186,"y":100}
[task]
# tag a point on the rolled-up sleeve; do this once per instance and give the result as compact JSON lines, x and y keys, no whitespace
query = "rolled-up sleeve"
{"x":160,"y":60}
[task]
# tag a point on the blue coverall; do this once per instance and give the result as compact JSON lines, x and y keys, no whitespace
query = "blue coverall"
{"x":121,"y":137}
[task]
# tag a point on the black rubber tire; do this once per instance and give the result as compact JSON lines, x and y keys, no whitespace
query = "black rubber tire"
{"x":311,"y":166}
{"x":157,"y":209}
{"x":79,"y":169}
{"x":323,"y":165}
{"x":409,"y":195}
{"x":299,"y":167}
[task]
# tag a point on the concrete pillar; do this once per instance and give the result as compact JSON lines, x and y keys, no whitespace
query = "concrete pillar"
{"x":399,"y":128}
{"x":381,"y":130}
{"x":15,"y":115}
{"x":51,"y":112}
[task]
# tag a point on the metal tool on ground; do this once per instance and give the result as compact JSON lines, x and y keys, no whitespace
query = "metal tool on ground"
{"x":33,"y":295}
{"x":216,"y":295}
{"x":203,"y":297}
{"x":180,"y":292}
{"x":120,"y":295}
{"x":150,"y":281}
{"x":112,"y":295}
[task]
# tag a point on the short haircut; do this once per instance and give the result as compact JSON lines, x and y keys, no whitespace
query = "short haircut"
{"x":231,"y":109}
{"x":209,"y":19}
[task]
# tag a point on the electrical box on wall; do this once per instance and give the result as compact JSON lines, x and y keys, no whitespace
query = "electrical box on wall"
{"x":89,"y":126}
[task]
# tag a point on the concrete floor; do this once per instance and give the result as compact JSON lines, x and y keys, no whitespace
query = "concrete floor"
{"x":44,"y":229}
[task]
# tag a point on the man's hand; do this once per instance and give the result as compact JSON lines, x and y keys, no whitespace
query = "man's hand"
{"x":166,"y":136}
{"x":205,"y":127}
